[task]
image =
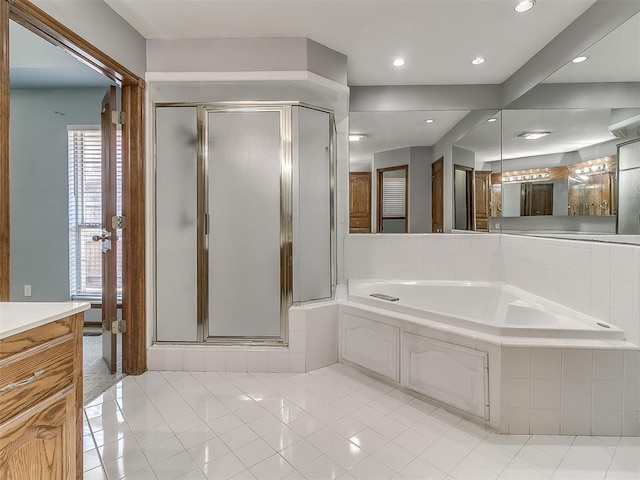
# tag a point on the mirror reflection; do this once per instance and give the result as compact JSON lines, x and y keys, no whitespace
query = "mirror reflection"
{"x":476,"y":176}
{"x":395,"y":185}
{"x":564,"y":140}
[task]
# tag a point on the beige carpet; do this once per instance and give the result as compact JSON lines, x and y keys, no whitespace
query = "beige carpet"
{"x":96,"y":376}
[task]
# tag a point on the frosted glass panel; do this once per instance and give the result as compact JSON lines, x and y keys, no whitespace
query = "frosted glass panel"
{"x":629,"y":202}
{"x":629,"y":155}
{"x":629,"y":188}
{"x":176,"y":224}
{"x":244,"y":238}
{"x":311,"y":206}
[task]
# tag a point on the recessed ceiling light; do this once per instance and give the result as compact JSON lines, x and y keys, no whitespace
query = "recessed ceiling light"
{"x":356,"y":137}
{"x":579,"y":59}
{"x":533,"y":135}
{"x":478,"y":61}
{"x":429,"y":120}
{"x":524,"y":6}
{"x":398,"y":62}
{"x":492,"y":120}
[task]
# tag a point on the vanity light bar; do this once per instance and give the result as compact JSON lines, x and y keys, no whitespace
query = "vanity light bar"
{"x":531,"y":176}
{"x":592,"y":169}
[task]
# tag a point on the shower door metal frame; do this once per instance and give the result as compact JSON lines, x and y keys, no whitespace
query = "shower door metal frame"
{"x":285,"y":109}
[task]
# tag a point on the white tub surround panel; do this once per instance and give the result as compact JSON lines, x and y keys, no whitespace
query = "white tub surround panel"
{"x":313,"y":344}
{"x":369,"y":344}
{"x":445,"y":363}
{"x":457,"y":376}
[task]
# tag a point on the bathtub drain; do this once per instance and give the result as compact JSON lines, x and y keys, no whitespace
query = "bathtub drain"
{"x":604,"y":325}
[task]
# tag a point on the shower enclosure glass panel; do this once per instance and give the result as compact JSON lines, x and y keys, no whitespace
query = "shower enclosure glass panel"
{"x":245,"y":156}
{"x":312,"y":178}
{"x":628,"y":193}
{"x":176,"y":224}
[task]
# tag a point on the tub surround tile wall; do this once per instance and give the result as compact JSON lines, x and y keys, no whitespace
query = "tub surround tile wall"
{"x":599,"y":279}
{"x":422,"y":256}
{"x":313,"y":344}
{"x":570,"y":391}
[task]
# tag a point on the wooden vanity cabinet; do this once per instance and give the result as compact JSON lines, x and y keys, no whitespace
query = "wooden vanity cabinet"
{"x":41,"y":402}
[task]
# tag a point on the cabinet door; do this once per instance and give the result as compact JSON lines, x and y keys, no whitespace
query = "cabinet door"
{"x":483,"y":189}
{"x":360,"y":202}
{"x":40,"y":443}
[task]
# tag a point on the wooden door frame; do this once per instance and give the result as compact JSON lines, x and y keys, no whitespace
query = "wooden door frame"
{"x":134,"y":359}
{"x":379,"y":173}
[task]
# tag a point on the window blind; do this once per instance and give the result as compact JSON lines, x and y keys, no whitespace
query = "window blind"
{"x":85,"y":210}
{"x":393,"y":197}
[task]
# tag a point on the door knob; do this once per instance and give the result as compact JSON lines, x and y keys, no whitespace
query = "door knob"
{"x":101,"y":238}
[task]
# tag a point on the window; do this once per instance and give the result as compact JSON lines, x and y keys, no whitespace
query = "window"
{"x":85,"y":211}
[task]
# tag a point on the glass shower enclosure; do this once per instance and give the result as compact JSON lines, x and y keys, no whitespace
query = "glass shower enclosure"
{"x":244,"y":218}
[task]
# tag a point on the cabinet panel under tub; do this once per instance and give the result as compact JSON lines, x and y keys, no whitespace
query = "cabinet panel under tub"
{"x":370,"y":344}
{"x":452,"y":374}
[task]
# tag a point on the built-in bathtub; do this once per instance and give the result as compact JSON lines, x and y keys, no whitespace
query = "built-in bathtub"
{"x":497,"y":353}
{"x":491,"y":307}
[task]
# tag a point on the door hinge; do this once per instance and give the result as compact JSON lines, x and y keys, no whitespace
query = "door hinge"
{"x":118,"y":326}
{"x":118,"y":118}
{"x":118,"y":222}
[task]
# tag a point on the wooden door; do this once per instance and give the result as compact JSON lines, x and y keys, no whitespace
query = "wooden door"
{"x":42,"y":443}
{"x":360,"y":202}
{"x":109,"y":234}
{"x":482,"y":184}
{"x":437,"y":196}
{"x":536,"y":199}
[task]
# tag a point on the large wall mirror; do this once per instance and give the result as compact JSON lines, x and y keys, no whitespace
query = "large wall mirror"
{"x":562,"y":160}
{"x":571,"y":147}
{"x":390,"y":169}
{"x":476,"y":176}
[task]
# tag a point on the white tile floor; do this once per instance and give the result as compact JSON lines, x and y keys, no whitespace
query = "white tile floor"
{"x":327,"y":424}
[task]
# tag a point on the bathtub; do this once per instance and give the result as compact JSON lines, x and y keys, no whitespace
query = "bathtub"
{"x":488,"y":350}
{"x":491,"y":307}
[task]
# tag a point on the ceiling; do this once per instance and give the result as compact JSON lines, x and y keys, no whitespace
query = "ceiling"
{"x":571,"y":130}
{"x":438,"y":38}
{"x":391,"y":130}
{"x":614,"y":58}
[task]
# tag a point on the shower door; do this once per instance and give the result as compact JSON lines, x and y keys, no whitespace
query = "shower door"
{"x":248,"y":197}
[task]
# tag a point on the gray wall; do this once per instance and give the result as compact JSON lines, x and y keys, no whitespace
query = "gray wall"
{"x":246,"y":55}
{"x":39,"y":186}
{"x":420,"y":189}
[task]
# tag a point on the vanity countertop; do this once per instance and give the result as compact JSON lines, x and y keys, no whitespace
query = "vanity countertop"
{"x":17,"y":317}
